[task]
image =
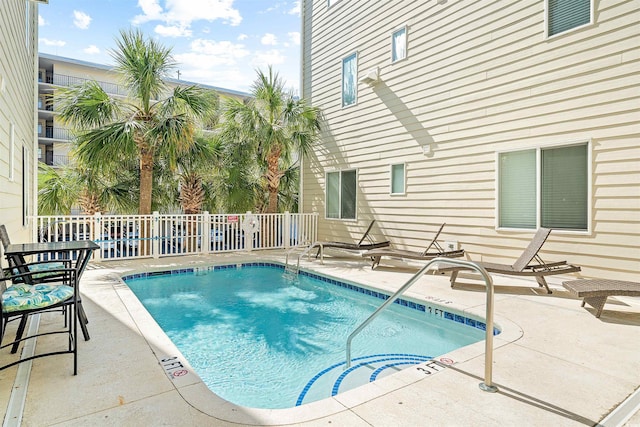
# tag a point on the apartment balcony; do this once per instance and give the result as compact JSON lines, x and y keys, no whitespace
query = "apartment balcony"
{"x":55,"y":134}
{"x":55,"y":160}
{"x":68,"y":81}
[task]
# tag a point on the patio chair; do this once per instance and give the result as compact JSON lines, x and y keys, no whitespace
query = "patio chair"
{"x":20,"y":300}
{"x":42,"y":271}
{"x":37,"y":273}
{"x":359,"y":246}
{"x":433,"y":250}
{"x":523,"y":265}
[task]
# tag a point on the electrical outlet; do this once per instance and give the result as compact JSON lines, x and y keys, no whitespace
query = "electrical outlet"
{"x":451,"y":245}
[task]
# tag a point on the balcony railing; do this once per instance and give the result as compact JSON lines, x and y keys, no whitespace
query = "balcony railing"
{"x":67,"y":81}
{"x":56,"y":133}
{"x":55,"y":160}
{"x":154,"y":236}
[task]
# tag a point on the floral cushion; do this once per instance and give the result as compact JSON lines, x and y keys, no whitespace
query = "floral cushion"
{"x":20,"y":297}
{"x":41,"y":270}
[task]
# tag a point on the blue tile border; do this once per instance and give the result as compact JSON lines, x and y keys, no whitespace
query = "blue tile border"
{"x":437,"y":311}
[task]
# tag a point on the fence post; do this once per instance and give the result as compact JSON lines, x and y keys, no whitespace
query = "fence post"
{"x":95,"y":234}
{"x":206,"y":233}
{"x":286,"y":234}
{"x":155,"y":234}
{"x":316,"y":215}
{"x":248,"y":244}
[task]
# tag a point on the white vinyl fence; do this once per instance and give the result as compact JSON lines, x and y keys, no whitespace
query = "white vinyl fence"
{"x":158,"y":235}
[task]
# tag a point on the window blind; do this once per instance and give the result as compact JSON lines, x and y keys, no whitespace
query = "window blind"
{"x":567,"y":14}
{"x":564,"y":188}
{"x":333,"y":195}
{"x":517,"y":189}
{"x":348,"y":199}
{"x":397,"y":179}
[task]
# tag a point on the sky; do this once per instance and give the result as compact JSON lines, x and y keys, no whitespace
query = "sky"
{"x":216,"y":42}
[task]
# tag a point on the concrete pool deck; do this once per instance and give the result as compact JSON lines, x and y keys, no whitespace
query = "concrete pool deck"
{"x":555,"y":363}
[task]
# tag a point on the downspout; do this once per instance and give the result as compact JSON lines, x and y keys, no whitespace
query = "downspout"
{"x":34,"y":158}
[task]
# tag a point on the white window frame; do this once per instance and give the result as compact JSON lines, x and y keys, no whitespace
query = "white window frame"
{"x":326,"y":194}
{"x":355,"y":80}
{"x":406,"y":43}
{"x":404,"y":179}
{"x":12,"y":152}
{"x":331,"y":3}
{"x":546,"y":21}
{"x":26,"y":184}
{"x":539,"y":149}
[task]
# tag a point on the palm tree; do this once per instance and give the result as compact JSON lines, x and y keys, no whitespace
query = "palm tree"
{"x":275,"y":126}
{"x":203,"y":156}
{"x":143,"y":126}
{"x":59,"y":190}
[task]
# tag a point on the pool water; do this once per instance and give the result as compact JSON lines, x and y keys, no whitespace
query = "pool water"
{"x":261,"y":339}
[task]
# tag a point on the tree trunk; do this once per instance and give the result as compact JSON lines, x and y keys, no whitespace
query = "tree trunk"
{"x":146,"y":180}
{"x":273,"y":178}
{"x":146,"y":187}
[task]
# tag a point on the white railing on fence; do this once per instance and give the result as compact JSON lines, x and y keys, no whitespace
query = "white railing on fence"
{"x":158,"y":235}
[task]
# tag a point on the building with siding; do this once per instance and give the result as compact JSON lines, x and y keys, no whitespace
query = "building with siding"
{"x":496,"y":117}
{"x":55,"y":72}
{"x":18,"y":60}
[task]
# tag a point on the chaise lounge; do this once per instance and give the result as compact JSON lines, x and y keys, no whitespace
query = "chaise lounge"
{"x":596,"y":291}
{"x":433,"y":250}
{"x":523,"y":265}
{"x":359,"y":246}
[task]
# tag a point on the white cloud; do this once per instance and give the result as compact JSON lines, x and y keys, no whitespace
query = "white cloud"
{"x":48,"y":42}
{"x":295,"y":10}
{"x":92,"y":49}
{"x":262,"y":59}
{"x":81,"y":19}
{"x":172,"y":31}
{"x":151,"y":9}
{"x":217,"y":63}
{"x":294,"y":37}
{"x":183,"y":13}
{"x":269,"y":40}
{"x":242,"y":37}
{"x":226,"y":50}
{"x":41,"y":21}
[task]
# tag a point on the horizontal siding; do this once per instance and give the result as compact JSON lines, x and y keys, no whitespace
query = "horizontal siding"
{"x":17,"y":105}
{"x":479,"y":78}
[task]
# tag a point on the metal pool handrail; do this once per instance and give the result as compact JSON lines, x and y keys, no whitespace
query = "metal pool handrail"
{"x":488,"y":353}
{"x":304,"y":252}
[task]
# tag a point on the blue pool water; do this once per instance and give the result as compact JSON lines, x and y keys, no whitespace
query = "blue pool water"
{"x":260,"y":339}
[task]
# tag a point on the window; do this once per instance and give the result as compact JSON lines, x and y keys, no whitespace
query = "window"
{"x":26,"y":172}
{"x":565,"y":15}
{"x":546,"y":187}
{"x":12,"y":151}
{"x":399,"y":45}
{"x":349,"y":79}
{"x":397,"y":179}
{"x":341,"y":194}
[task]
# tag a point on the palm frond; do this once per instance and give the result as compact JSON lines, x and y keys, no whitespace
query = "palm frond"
{"x":143,"y":64}
{"x":86,"y":106}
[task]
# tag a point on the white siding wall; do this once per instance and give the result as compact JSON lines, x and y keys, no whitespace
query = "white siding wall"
{"x":18,"y":50}
{"x":480,"y":78}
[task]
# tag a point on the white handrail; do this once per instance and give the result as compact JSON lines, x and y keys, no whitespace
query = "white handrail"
{"x":488,"y":361}
{"x":303,"y":253}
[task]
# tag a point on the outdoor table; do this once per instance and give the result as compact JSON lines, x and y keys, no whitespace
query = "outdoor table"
{"x":78,"y":250}
{"x":82,"y":249}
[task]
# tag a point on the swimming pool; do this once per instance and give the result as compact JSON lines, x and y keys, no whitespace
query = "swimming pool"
{"x":259,"y":339}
